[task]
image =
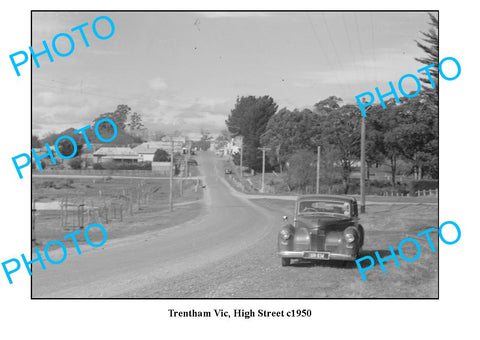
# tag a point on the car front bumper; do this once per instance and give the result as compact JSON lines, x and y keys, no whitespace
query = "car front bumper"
{"x":316,"y":255}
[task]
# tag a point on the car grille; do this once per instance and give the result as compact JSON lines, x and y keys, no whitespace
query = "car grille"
{"x":317,"y":239}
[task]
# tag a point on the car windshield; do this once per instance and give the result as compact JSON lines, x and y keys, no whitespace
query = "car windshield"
{"x":324,"y":207}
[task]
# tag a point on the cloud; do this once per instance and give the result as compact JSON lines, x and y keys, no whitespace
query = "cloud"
{"x":158,"y":83}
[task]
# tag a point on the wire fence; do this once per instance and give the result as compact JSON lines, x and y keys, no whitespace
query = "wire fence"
{"x":98,"y":201}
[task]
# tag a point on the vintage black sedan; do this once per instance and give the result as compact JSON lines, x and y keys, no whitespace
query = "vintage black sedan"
{"x":325,"y":227}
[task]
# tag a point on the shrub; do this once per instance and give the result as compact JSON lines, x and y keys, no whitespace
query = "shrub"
{"x":126,"y":166}
{"x":75,"y":163}
{"x":380,"y":184}
{"x":423,"y":184}
{"x":161,"y":156}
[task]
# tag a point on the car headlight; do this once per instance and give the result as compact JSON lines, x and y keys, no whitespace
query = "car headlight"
{"x":285,"y":234}
{"x":349,"y":237}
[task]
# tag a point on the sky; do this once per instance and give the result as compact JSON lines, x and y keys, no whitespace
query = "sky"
{"x":184,"y":70}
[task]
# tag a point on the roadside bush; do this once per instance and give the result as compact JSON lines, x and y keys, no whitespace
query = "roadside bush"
{"x":161,"y":156}
{"x":125,"y":166}
{"x":34,"y":165}
{"x":423,"y":184}
{"x":380,"y":184}
{"x":354,"y":187}
{"x":75,"y":163}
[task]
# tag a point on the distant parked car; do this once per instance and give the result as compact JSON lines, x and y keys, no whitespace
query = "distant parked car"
{"x":228,"y":171}
{"x":192,"y":162}
{"x":324,"y":227}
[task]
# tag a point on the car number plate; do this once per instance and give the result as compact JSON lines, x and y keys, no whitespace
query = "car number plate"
{"x":317,"y":255}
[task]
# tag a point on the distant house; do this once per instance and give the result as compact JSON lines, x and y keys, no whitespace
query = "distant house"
{"x":116,"y":154}
{"x":146,"y":150}
{"x":233,"y":146}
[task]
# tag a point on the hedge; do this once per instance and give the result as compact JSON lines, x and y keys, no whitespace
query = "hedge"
{"x":423,"y":184}
{"x":126,"y":166}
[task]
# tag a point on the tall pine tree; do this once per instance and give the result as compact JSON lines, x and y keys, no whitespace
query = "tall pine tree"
{"x":430,"y":46}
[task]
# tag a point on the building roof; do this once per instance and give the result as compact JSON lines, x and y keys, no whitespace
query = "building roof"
{"x":151,"y":147}
{"x":113,"y":151}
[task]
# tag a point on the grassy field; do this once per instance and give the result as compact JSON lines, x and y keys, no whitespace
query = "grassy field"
{"x":122,"y":206}
{"x":386,"y":225}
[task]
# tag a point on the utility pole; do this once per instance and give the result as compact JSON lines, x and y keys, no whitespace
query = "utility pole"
{"x":318,"y":170}
{"x":263,"y":168}
{"x":171,"y":178}
{"x":241,"y":156}
{"x":189,"y":145}
{"x":185,"y":169}
{"x":362,"y":166}
{"x":362,"y":163}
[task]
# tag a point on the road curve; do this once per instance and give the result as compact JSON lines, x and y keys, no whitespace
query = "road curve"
{"x":228,"y":224}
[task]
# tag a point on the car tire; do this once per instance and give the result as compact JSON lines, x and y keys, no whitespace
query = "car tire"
{"x":285,"y":262}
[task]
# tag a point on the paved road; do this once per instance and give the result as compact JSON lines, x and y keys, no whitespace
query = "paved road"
{"x":229,"y":224}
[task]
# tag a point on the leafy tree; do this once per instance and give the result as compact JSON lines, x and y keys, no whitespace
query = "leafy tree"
{"x":161,"y":156}
{"x":66,"y":147}
{"x":249,"y":119}
{"x":301,"y":170}
{"x":36,"y":142}
{"x":135,"y":121}
{"x":75,"y":163}
{"x":222,"y":139}
{"x":205,"y":140}
{"x":328,"y":105}
{"x":419,"y":133}
{"x":158,"y":135}
{"x":341,"y":130}
{"x":408,"y":131}
{"x":289,"y":131}
{"x":119,"y":116}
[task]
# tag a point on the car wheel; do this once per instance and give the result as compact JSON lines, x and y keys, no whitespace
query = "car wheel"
{"x":285,"y":262}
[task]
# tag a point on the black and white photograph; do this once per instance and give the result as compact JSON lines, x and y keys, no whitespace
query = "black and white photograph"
{"x":234,"y":154}
{"x":238,"y":170}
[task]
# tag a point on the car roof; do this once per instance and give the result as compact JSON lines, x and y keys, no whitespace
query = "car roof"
{"x":326,"y":197}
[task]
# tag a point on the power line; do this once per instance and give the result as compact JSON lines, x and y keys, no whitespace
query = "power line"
{"x":373,"y":47}
{"x":333,"y":45}
{"x":340,"y":84}
{"x":360,"y":45}
{"x":350,"y":44}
